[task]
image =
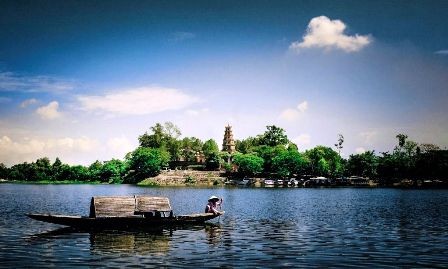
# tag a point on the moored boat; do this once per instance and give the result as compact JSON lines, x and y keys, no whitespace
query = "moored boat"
{"x":126,"y":212}
{"x":268,"y":183}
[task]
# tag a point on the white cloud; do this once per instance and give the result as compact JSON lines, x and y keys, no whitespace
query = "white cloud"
{"x":368,"y":136}
{"x":28,"y":102}
{"x":289,"y":114}
{"x":49,"y":111}
{"x":139,"y":101}
{"x":292,"y":114}
{"x":302,"y":107}
{"x":30,"y":149}
{"x":120,"y":146}
{"x":442,"y":52}
{"x":196,"y":112}
{"x":302,"y":141}
{"x":329,"y":34}
{"x":82,"y":144}
{"x":360,"y":150}
{"x":10,"y":81}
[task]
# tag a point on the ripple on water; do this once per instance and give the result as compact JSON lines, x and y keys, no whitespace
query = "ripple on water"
{"x":262,"y":228}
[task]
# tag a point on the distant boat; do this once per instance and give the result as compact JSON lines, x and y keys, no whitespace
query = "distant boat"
{"x":279,"y":182}
{"x":126,"y":212}
{"x":293,"y":182}
{"x":320,"y":180}
{"x":269,"y":183}
{"x":244,"y":182}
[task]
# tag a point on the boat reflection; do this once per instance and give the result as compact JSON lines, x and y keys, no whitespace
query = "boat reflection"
{"x":152,"y":242}
{"x":142,"y":243}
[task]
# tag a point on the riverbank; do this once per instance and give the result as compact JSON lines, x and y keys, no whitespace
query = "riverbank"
{"x":181,"y":178}
{"x":43,"y":182}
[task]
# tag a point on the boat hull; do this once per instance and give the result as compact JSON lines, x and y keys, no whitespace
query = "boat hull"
{"x":120,"y":223}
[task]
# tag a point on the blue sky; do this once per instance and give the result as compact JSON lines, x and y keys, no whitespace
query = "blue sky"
{"x":83,"y":79}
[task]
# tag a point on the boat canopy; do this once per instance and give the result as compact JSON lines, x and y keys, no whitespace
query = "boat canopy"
{"x":127,"y":206}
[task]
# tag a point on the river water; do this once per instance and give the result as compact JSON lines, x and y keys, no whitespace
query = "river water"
{"x":264,"y":228}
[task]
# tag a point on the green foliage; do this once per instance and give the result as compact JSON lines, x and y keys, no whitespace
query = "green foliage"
{"x":148,"y":183}
{"x":248,"y":164}
{"x":95,"y":171}
{"x":213,"y":161}
{"x":145,"y":162}
{"x":210,"y":147}
{"x":189,"y":179}
{"x":189,"y":147}
{"x":246,"y":145}
{"x":78,"y":173}
{"x":163,"y":137}
{"x":324,"y":161}
{"x":274,"y":136}
{"x":112,"y":171}
{"x":322,"y":167}
{"x":227,"y":167}
{"x":268,"y":153}
{"x":289,"y":162}
{"x":364,"y":164}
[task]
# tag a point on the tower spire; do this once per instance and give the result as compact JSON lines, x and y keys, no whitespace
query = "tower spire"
{"x":228,"y":144}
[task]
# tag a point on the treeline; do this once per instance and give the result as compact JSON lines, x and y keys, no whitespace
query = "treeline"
{"x":268,"y":154}
{"x":157,"y":149}
{"x":272,"y":153}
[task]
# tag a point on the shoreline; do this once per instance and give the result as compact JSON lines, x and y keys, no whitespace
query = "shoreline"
{"x":149,"y":184}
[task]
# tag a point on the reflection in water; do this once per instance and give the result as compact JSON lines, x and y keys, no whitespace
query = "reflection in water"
{"x":154,"y":242}
{"x":265,"y":228}
{"x":213,"y":233}
{"x":142,"y":243}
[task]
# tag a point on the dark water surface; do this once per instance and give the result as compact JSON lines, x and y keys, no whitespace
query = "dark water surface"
{"x":262,"y":228}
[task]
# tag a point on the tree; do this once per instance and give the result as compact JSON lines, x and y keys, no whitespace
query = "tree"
{"x":401,"y":139}
{"x":427,"y":147}
{"x":268,"y":153}
{"x":4,"y":171}
{"x":112,"y":171}
{"x":41,"y":169}
{"x":213,"y":161}
{"x":288,"y":163}
{"x":56,"y":169}
{"x":189,"y":147}
{"x":154,"y":140}
{"x":95,"y":171}
{"x":163,"y":137}
{"x":325,"y":161}
{"x":246,"y":145}
{"x":364,"y":164}
{"x":338,"y":145}
{"x":145,"y":162}
{"x":171,"y":130}
{"x":210,"y":147}
{"x":274,"y":136}
{"x":78,"y":173}
{"x":248,"y":164}
{"x":322,"y":167}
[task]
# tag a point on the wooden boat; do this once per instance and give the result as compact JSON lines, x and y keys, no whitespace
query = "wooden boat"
{"x":126,"y":212}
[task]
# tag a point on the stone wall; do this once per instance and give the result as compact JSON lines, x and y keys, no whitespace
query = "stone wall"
{"x":187,"y":177}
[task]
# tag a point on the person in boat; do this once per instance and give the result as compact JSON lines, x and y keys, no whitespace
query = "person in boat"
{"x":213,"y":204}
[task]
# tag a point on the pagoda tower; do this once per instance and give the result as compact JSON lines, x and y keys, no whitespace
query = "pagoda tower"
{"x":228,"y":144}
